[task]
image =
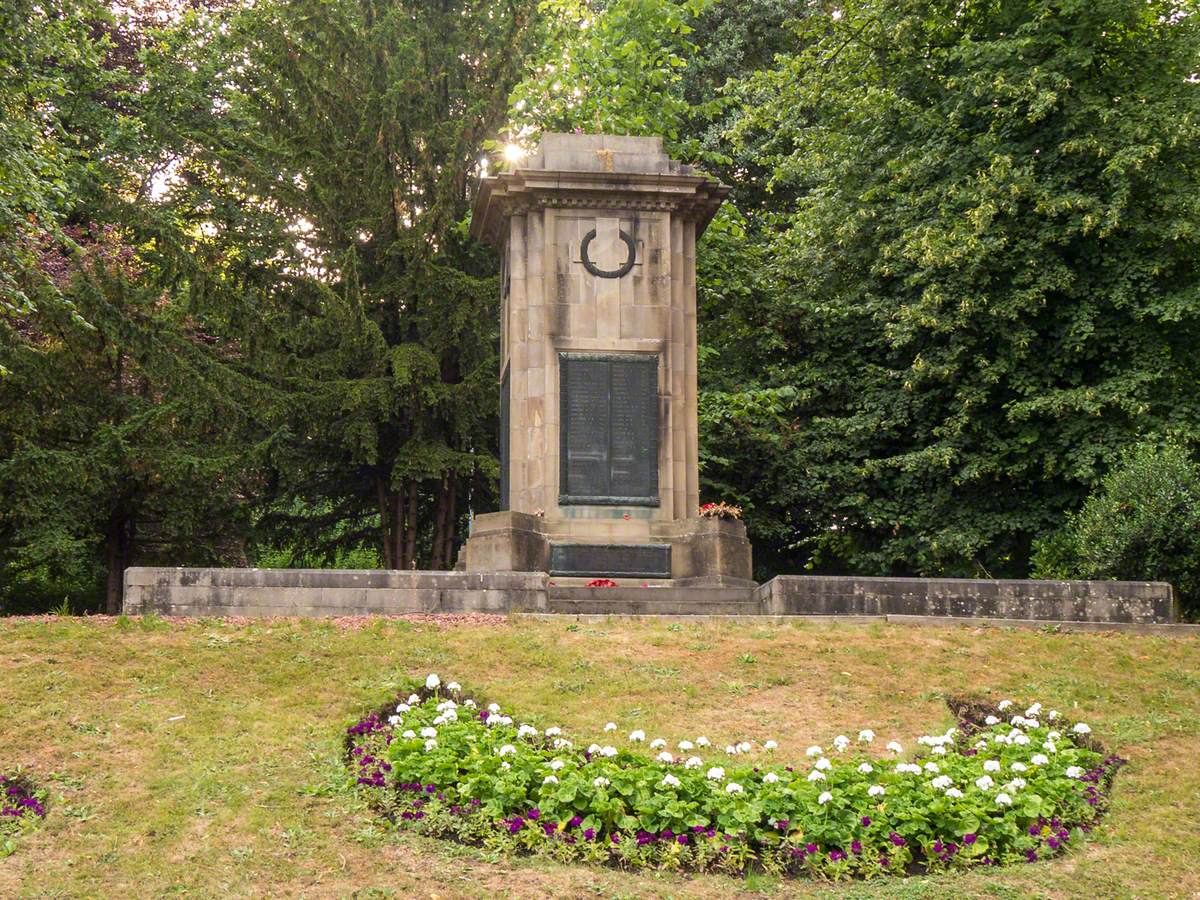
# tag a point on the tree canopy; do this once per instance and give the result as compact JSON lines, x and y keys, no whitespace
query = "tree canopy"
{"x":242,"y":321}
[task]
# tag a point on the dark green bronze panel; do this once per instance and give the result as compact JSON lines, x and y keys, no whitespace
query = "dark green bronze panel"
{"x":608,"y":426}
{"x":611,"y":560}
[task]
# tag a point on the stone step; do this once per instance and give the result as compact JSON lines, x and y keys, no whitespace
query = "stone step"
{"x":673,"y":601}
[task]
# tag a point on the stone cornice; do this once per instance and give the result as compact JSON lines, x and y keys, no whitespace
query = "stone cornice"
{"x":694,"y":197}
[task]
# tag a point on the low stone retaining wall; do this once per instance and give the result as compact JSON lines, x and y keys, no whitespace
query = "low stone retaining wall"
{"x":1057,"y":601}
{"x":348,"y":592}
{"x":327,"y":592}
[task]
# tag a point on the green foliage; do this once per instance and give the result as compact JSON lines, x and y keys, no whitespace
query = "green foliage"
{"x":329,"y":148}
{"x":450,"y":769}
{"x":614,"y":67}
{"x":1141,"y":524}
{"x":978,"y":269}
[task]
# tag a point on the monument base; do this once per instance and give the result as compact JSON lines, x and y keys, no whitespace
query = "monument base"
{"x":696,"y":552}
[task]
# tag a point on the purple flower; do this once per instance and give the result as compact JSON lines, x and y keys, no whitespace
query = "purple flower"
{"x":589,"y":834}
{"x":835,"y":855}
{"x":534,"y":814}
{"x":682,"y":839}
{"x":866,"y":820}
{"x":856,"y":847}
{"x":615,"y":838}
{"x":896,"y":839}
{"x":1030,"y":856}
{"x":575,"y":822}
{"x":810,"y":848}
{"x":969,"y":839}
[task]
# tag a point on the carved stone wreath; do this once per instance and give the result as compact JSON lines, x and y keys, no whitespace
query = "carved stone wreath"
{"x":607,"y":273}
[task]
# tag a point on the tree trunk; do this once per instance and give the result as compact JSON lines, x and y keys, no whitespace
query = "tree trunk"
{"x":384,"y":500}
{"x":451,"y":517}
{"x":117,"y":552}
{"x":438,"y":549}
{"x":410,"y":527}
{"x":398,"y":529}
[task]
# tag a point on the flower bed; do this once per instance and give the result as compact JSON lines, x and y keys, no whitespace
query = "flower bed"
{"x":1003,"y":786}
{"x":22,"y":806}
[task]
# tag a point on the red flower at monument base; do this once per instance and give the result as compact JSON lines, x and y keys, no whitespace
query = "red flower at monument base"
{"x":601,"y":582}
{"x":720,"y":510}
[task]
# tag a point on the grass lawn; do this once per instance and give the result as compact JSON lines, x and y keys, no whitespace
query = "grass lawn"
{"x":199,"y":758}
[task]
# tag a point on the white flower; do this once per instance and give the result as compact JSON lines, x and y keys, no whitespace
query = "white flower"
{"x":865,"y":768}
{"x":895,"y":747}
{"x":716,"y":773}
{"x":1003,"y":705}
{"x":432,"y":681}
{"x":1052,"y":715}
{"x":745,"y":747}
{"x":608,"y":751}
{"x":561,"y":743}
{"x":656,"y":743}
{"x":526,"y":731}
{"x":1049,"y":747}
{"x":816,"y":775}
{"x":985,"y":783}
{"x":866,"y":735}
{"x":553,"y":732}
{"x":428,"y":732}
{"x":413,"y":700}
{"x":876,"y":790}
{"x":1033,"y":710}
{"x":550,"y":779}
{"x":469,"y":704}
{"x":454,"y":687}
{"x":1054,"y":735}
{"x":409,"y":735}
{"x":693,"y":762}
{"x":611,"y":726}
{"x":685,"y":746}
{"x":440,"y":720}
{"x":942,"y":782}
{"x":840,"y":743}
{"x":814,"y":750}
{"x":670,"y":780}
{"x":1074,"y":772}
{"x":557,"y":764}
{"x":954,"y":792}
{"x":939,"y":751}
{"x":1081,"y":728}
{"x":823,"y":764}
{"x":913,"y":768}
{"x":665,"y":757}
{"x":1018,"y":720}
{"x":1019,"y":767}
{"x":825,"y":798}
{"x":991,"y":720}
{"x":593,"y":749}
{"x":1021,"y":739}
{"x":1039,"y":759}
{"x":600,"y":782}
{"x":1015,"y":785}
{"x":702,"y":741}
{"x":1003,"y":800}
{"x":506,"y":750}
{"x":637,"y":736}
{"x":770,"y":778}
{"x":403,"y":708}
{"x":991,"y":765}
{"x":730,"y":749}
{"x":733,"y":788}
{"x":505,"y":765}
{"x":493,"y":708}
{"x":769,"y":745}
{"x":394,"y":720}
{"x":932,"y":767}
{"x":430,"y":744}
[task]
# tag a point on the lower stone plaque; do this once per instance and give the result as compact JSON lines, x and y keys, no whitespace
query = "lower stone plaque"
{"x":612,"y":560}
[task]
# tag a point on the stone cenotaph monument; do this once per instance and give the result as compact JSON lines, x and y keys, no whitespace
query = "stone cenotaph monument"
{"x":599,"y":463}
